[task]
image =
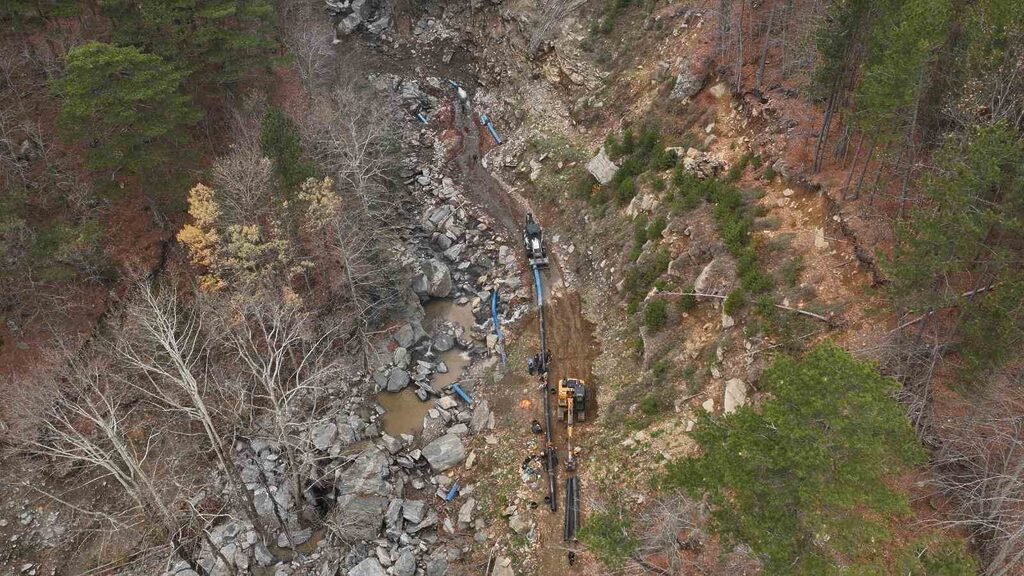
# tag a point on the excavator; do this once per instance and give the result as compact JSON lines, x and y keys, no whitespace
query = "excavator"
{"x":572,"y":401}
{"x":533,"y":241}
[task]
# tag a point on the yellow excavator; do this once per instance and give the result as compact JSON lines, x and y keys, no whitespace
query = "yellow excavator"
{"x":572,"y":400}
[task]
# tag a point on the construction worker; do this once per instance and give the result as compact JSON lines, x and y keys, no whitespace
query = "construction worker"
{"x":531,"y":365}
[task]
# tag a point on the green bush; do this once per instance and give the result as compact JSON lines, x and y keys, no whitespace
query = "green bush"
{"x":607,"y":535}
{"x":655,"y":314}
{"x":656,"y":228}
{"x":625,"y":191}
{"x":816,"y":456}
{"x":736,"y":170}
{"x":734,"y":302}
{"x":790,"y":271}
{"x":641,"y":277}
{"x":687,"y":301}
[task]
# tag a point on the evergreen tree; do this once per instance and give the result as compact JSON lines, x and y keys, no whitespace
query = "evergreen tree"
{"x":217,"y":40}
{"x":127,"y":105}
{"x":801,"y":479}
{"x":962,"y":248}
{"x":21,"y":10}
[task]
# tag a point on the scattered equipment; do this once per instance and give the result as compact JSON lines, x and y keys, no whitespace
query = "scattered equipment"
{"x":533,"y":241}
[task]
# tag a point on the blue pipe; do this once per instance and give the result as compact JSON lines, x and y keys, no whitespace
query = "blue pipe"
{"x":497,"y":326}
{"x":536,"y":281}
{"x":421,"y":117}
{"x":462,"y":393}
{"x":451,"y":492}
{"x":490,"y":128}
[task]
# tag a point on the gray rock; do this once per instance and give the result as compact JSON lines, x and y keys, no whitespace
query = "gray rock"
{"x":481,"y":415}
{"x":716,"y":278}
{"x":405,"y":565}
{"x":437,"y":566}
{"x":518,"y":525}
{"x":398,"y":379}
{"x":434,"y":280}
{"x":602,"y":168}
{"x":689,"y":81}
{"x":365,"y":476}
{"x":414,"y":510}
{"x":466,"y":511}
{"x":349,"y":24}
{"x":443,"y":342}
{"x":323,"y":435}
{"x":368,"y":567}
{"x":445,"y":452}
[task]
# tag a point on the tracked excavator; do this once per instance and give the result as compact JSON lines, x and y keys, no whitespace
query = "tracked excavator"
{"x":572,"y":400}
{"x":533,"y":241}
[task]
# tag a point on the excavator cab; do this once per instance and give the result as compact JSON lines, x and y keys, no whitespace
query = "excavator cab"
{"x":533,"y":241}
{"x":572,"y":400}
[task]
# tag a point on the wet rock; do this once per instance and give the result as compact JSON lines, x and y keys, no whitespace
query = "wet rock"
{"x":409,"y":334}
{"x":368,"y":567}
{"x":445,"y":452}
{"x":444,"y":342}
{"x":398,"y":379}
{"x":602,"y":168}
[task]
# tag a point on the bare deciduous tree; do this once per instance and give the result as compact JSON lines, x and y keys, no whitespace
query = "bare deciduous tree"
{"x":980,"y":464}
{"x":87,"y":425}
{"x":165,"y":344}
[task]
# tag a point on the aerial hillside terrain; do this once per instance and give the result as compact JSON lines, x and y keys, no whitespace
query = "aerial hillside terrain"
{"x":511,"y":287}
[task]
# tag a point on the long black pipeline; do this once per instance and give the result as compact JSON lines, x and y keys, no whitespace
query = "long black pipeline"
{"x":572,"y":509}
{"x":550,"y":454}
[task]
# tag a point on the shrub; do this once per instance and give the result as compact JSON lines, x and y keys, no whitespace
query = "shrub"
{"x":790,"y":271}
{"x":607,"y":535}
{"x":687,"y":301}
{"x":736,"y":170}
{"x":655,"y":314}
{"x":734,"y":302}
{"x":625,"y":191}
{"x":656,"y":228}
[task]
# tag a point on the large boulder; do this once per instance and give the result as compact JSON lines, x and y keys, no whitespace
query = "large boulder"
{"x":601,"y":167}
{"x":716,"y":278}
{"x":735,"y":395}
{"x":434,"y":280}
{"x":368,"y":567}
{"x":689,"y":81}
{"x":365,"y":476}
{"x":481,"y":417}
{"x":445,"y":452}
{"x":398,"y":379}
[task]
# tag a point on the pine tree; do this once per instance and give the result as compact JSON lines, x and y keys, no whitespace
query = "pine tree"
{"x":215,"y":40}
{"x":127,"y":105}
{"x":800,"y":479}
{"x":962,"y":249}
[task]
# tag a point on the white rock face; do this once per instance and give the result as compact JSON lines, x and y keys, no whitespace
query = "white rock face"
{"x":602,"y":168}
{"x":735,"y":395}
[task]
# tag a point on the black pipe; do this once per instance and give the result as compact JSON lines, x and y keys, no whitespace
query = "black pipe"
{"x":572,"y":509}
{"x":551,"y":465}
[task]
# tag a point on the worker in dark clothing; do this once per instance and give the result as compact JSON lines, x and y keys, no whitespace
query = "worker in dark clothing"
{"x":572,"y":557}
